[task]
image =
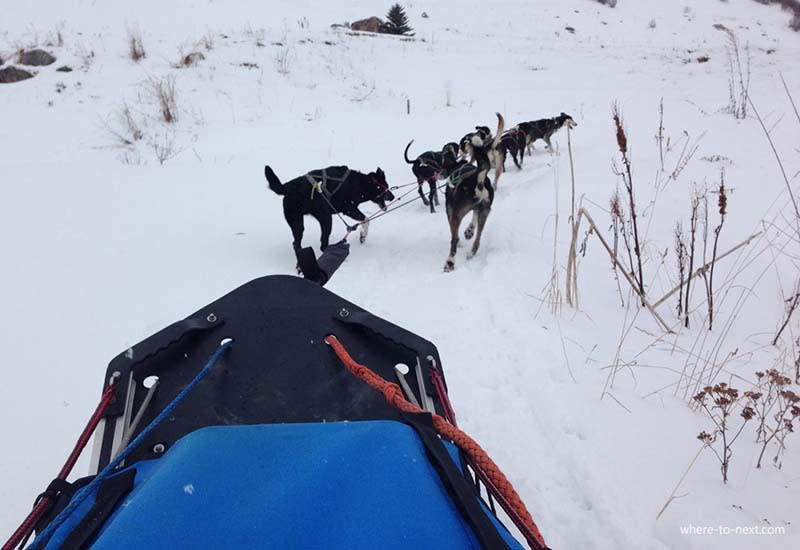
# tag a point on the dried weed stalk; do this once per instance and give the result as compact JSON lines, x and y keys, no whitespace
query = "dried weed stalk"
{"x":627,"y":179}
{"x":776,"y":408}
{"x":718,"y":402}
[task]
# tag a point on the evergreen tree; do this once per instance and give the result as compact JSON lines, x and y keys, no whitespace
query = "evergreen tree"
{"x":397,"y":21}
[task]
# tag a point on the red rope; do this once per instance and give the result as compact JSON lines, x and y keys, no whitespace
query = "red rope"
{"x":444,"y":399}
{"x":47,"y":499}
{"x":480,"y":460}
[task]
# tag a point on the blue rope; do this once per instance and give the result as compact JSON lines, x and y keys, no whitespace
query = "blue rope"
{"x":89,"y":489}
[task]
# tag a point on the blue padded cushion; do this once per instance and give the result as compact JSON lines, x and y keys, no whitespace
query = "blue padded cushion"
{"x":354,"y":485}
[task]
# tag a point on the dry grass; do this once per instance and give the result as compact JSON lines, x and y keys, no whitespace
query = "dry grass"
{"x":136,"y":49}
{"x":125,"y":130}
{"x":164,"y":148}
{"x":283,"y":59}
{"x":627,"y":179}
{"x":207,"y":41}
{"x":738,"y":73}
{"x":163,"y":90}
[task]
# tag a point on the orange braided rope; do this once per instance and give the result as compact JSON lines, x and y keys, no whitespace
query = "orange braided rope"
{"x":479,"y":458}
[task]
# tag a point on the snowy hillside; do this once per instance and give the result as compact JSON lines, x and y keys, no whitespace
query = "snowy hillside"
{"x":587,"y":409}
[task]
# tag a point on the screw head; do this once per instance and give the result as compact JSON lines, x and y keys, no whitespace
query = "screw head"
{"x":211,"y":318}
{"x":159,"y":448}
{"x":343,"y":313}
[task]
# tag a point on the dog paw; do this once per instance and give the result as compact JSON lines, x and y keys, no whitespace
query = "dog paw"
{"x":471,"y":253}
{"x":469,"y":232}
{"x":433,"y":210}
{"x":449,"y":266}
{"x":362,"y":239}
{"x":425,"y":201}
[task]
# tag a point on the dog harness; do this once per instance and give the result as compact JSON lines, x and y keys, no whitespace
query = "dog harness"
{"x":319,"y":182}
{"x":460,"y":174}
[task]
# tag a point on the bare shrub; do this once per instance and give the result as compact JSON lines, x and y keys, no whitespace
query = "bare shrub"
{"x":135,"y":45}
{"x":164,"y":148}
{"x":126,"y":130}
{"x":164,"y":91}
{"x":718,"y":402}
{"x":207,"y":41}
{"x":776,"y":408}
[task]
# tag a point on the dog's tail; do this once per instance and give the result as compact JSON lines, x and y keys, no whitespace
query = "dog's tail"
{"x":405,"y":153}
{"x":499,"y":133}
{"x":274,"y":183}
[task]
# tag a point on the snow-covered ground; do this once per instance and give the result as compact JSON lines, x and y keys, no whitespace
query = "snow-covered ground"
{"x":586,"y":410}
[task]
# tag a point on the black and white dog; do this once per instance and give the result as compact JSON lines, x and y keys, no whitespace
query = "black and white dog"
{"x":496,"y":153}
{"x":470,"y":190}
{"x":430,"y":167}
{"x":321,"y":193}
{"x":465,"y":144}
{"x":544,"y":129}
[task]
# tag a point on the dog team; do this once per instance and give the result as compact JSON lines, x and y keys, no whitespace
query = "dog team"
{"x":465,"y":165}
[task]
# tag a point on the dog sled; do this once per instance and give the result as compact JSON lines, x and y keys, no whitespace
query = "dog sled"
{"x":278,"y":416}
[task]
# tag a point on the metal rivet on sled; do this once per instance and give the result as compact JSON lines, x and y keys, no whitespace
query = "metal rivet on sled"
{"x":211,"y":318}
{"x":343,"y":312}
{"x":159,"y":448}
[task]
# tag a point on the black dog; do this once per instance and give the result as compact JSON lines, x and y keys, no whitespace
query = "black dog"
{"x":514,"y":142}
{"x":321,"y":193}
{"x":545,"y":128}
{"x":431,"y":166}
{"x":469,"y":189}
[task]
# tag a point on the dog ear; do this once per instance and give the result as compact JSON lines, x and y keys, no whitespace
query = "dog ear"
{"x":380,"y":173}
